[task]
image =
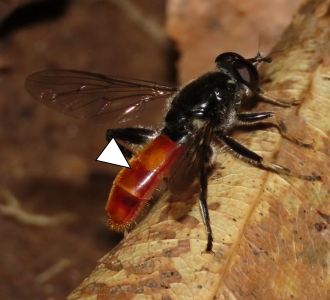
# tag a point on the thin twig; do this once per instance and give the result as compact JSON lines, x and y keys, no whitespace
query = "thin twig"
{"x":12,"y":208}
{"x":147,"y":24}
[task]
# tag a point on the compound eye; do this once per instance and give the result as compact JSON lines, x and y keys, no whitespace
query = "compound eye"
{"x":248,"y":73}
{"x":228,"y":57}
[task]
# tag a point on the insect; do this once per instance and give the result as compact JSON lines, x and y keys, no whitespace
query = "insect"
{"x":202,"y":111}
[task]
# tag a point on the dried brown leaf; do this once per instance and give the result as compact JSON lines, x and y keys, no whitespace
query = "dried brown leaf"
{"x":268,"y":242}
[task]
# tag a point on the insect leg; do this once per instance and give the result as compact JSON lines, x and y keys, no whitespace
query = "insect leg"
{"x":275,"y":100}
{"x":250,"y":118}
{"x":205,"y":211}
{"x":130,"y":135}
{"x":257,"y":160}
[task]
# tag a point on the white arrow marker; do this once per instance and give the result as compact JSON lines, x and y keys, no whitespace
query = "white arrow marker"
{"x":112,"y":155}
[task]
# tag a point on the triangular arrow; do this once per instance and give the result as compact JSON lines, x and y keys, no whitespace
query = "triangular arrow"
{"x":112,"y":155}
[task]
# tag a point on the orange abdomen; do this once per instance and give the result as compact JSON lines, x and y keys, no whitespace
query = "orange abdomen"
{"x":133,"y":187}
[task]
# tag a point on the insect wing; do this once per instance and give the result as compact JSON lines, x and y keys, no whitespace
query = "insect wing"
{"x":86,"y":95}
{"x":188,"y":165}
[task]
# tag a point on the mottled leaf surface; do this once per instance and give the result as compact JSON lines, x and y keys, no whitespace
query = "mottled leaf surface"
{"x":270,"y":231}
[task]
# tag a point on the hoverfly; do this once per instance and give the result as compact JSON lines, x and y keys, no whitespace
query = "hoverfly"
{"x":202,"y":111}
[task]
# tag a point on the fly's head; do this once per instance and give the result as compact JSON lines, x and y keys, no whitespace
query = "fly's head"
{"x":244,"y":71}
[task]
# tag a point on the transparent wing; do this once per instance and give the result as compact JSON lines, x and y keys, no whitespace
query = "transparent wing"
{"x":86,"y":95}
{"x":188,"y":165}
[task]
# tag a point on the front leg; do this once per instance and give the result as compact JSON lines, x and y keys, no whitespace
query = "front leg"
{"x":257,"y":160}
{"x":286,"y":103}
{"x":130,"y":135}
{"x":251,"y":118}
